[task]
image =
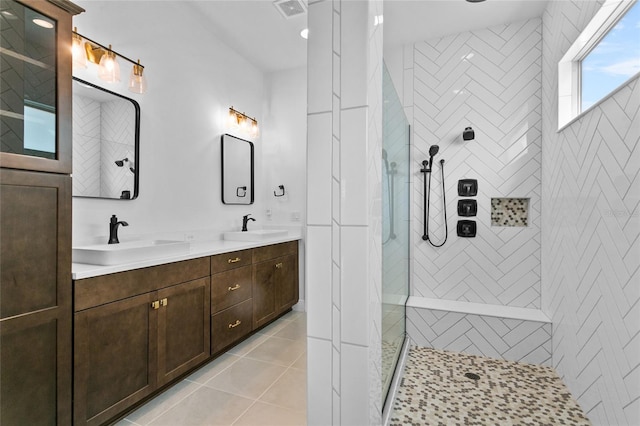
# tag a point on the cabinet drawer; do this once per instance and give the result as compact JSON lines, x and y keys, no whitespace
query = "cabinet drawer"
{"x":230,"y":288}
{"x":104,"y":289}
{"x":231,"y":325}
{"x":273,"y":251}
{"x":226,"y":261}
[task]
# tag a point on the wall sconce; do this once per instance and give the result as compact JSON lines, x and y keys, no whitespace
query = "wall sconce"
{"x":242,"y":121}
{"x":107,"y":60}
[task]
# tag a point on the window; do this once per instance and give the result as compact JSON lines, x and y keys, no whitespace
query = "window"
{"x":602,"y":59}
{"x":613,"y":60}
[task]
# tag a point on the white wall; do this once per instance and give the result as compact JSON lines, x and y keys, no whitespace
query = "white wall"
{"x":284,"y":147}
{"x":193,"y":79}
{"x":591,"y":234}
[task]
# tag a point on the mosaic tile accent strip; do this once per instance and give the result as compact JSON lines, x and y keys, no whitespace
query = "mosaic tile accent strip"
{"x":435,"y":391}
{"x":509,"y":212}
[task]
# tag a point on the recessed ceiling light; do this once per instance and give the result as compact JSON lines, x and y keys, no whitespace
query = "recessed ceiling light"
{"x":304,"y":33}
{"x":42,"y":23}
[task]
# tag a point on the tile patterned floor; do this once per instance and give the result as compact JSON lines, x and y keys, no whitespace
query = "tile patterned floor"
{"x":434,"y":391}
{"x":262,"y":381}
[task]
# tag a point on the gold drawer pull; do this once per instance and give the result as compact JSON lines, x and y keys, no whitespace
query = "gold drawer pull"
{"x":235,"y":324}
{"x":279,"y":265}
{"x":164,"y":302}
{"x":237,"y":259}
{"x":235,"y":287}
{"x":155,"y":304}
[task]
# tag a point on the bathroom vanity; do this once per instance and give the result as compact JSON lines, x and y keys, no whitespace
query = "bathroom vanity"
{"x":137,"y":331}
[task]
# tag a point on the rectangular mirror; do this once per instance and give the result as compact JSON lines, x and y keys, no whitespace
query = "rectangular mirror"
{"x":106,"y":133}
{"x":237,"y":170}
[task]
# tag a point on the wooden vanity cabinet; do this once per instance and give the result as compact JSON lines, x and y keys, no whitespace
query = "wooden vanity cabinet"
{"x":137,"y":331}
{"x":275,"y":281}
{"x":125,"y":349}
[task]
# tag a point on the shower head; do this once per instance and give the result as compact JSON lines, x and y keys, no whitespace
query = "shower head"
{"x":120,"y":163}
{"x":433,"y":150}
{"x":468,"y":134}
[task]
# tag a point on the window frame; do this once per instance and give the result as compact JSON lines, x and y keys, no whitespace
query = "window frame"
{"x":570,"y":66}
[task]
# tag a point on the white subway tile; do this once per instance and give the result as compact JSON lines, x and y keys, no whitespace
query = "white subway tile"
{"x":353,"y":167}
{"x":319,"y":169}
{"x":354,"y":285}
{"x":318,"y":278}
{"x":319,"y":392}
{"x":319,"y":61}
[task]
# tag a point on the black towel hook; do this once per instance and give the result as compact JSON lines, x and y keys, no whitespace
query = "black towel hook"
{"x":281,"y":187}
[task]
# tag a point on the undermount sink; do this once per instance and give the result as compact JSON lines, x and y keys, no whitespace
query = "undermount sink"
{"x":131,"y":251}
{"x":255,"y":235}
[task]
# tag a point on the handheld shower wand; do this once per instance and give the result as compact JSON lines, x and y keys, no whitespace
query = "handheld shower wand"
{"x":426,"y":169}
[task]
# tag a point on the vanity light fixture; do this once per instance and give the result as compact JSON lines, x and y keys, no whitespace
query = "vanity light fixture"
{"x":248,"y":125}
{"x":107,"y":60}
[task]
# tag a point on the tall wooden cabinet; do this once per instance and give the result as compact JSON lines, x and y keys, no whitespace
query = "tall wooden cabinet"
{"x":35,"y":213}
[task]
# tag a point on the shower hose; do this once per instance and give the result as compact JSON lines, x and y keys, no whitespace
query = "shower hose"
{"x":427,"y":200}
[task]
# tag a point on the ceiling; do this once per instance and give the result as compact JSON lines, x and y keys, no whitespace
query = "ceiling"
{"x":257,"y":30}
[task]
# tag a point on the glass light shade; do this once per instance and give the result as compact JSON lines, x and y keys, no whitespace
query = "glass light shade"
{"x":137,"y":80}
{"x":78,"y":52}
{"x":254,"y":129}
{"x":109,"y":69}
{"x":232,"y":119}
{"x":244,"y":125}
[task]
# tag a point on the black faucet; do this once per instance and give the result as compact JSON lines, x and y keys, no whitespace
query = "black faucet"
{"x":245,"y":220}
{"x":113,"y":229}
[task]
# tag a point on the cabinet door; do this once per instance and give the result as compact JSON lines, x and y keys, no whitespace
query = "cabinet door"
{"x":264,"y":292}
{"x":183,"y":328}
{"x":115,"y":357}
{"x":286,"y":282}
{"x":35,"y":112}
{"x":35,"y":298}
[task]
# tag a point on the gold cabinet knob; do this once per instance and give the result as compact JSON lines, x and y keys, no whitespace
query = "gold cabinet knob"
{"x":164,"y":302}
{"x":235,"y":287}
{"x":155,"y":304}
{"x":279,"y":265}
{"x":235,"y":324}
{"x":237,"y":259}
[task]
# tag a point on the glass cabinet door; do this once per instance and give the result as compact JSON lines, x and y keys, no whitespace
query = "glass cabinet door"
{"x":33,"y":93}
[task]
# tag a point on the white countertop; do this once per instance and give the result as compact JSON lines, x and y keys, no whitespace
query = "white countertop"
{"x":197,"y":249}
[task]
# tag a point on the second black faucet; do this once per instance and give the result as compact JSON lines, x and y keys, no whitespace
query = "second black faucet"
{"x":245,"y":220}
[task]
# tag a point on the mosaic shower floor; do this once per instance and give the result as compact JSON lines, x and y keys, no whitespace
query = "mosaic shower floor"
{"x":435,"y":391}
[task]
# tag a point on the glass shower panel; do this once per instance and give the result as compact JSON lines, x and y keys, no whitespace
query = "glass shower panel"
{"x":395,"y":229}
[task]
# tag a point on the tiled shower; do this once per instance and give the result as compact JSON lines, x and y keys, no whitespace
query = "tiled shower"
{"x":557,"y":284}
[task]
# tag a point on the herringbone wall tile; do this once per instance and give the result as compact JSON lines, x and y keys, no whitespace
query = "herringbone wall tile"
{"x":501,"y":338}
{"x":86,"y":147}
{"x":591,"y":234}
{"x":490,"y":80}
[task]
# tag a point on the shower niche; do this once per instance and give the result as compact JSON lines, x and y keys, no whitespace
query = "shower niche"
{"x":510,"y":212}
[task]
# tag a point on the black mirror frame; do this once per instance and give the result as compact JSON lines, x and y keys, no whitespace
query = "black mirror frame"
{"x":252,"y":192}
{"x":136,"y":175}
